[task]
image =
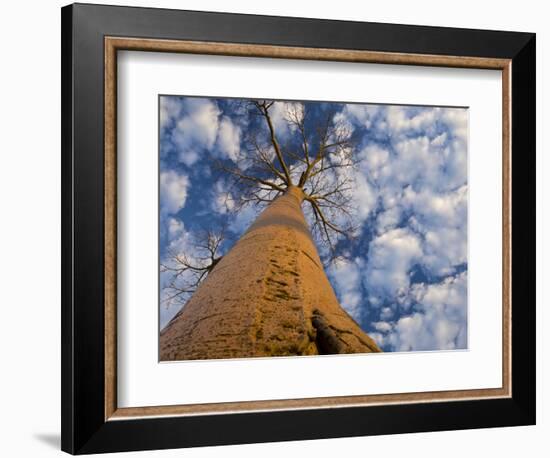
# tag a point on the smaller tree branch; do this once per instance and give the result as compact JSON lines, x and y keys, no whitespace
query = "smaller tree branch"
{"x":264,"y":109}
{"x":242,"y":176}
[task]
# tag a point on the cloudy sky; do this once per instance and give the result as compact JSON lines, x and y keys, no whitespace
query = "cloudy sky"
{"x":404,"y":278}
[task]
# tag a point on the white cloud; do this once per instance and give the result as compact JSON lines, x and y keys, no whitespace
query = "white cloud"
{"x":442,"y":220}
{"x":445,"y":250}
{"x":229,"y":138}
{"x":364,"y":197}
{"x":399,"y":120}
{"x":200,"y":123}
{"x":458,"y":121}
{"x":419,"y":177}
{"x":346,"y":279}
{"x":441,"y":320}
{"x":175,"y":228}
{"x":388,"y":219}
{"x":391,"y":256}
{"x":443,"y":208}
{"x":173,"y":191}
{"x":382,"y":326}
{"x":196,"y":129}
{"x":189,"y":157}
{"x":278,"y":113}
{"x":379,"y":338}
{"x":386,"y":313}
{"x":179,"y":239}
{"x":429,"y":146}
{"x":440,"y":139}
{"x":223,"y":201}
{"x":416,"y":161}
{"x":170,"y":108}
{"x":199,"y":127}
{"x":375,"y":161}
{"x":364,"y":115}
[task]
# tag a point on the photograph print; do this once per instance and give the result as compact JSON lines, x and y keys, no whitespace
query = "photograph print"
{"x":298,"y":228}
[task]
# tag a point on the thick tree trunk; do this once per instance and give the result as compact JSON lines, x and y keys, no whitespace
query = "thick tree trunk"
{"x":268,"y":296}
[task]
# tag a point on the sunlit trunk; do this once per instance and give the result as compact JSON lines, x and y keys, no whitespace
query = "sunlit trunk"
{"x":268,"y":296}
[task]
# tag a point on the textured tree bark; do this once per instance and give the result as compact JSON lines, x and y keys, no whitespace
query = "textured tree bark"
{"x":269,"y":296}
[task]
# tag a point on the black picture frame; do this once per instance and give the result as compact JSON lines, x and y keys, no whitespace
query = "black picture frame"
{"x":84,"y":428}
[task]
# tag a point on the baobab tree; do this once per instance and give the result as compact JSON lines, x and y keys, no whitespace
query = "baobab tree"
{"x":269,"y":295}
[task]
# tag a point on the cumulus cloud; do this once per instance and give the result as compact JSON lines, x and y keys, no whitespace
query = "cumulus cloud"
{"x":222,"y":200}
{"x":278,"y":114}
{"x":364,"y":197}
{"x":440,"y":322}
{"x":414,"y":160}
{"x":197,"y":129}
{"x":363,"y":115}
{"x":457,"y":120}
{"x":400,"y":120}
{"x":382,"y":326}
{"x":175,"y":228}
{"x":195,"y":126}
{"x":346,"y":279}
{"x":386,"y":313}
{"x":391,"y":257}
{"x":170,"y":109}
{"x":173,"y":191}
{"x":229,"y":138}
{"x":375,"y":162}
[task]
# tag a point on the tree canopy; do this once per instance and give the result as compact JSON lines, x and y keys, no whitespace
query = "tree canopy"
{"x":317,"y":157}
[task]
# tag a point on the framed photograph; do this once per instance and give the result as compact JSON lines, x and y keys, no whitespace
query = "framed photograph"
{"x":281,"y":228}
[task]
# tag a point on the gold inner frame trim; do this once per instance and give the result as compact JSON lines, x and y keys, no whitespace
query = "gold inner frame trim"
{"x":114,"y":44}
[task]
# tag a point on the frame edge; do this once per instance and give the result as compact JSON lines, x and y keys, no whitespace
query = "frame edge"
{"x":106,"y":435}
{"x":67,"y":382}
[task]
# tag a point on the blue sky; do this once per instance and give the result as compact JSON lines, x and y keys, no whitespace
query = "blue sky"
{"x":404,"y":278}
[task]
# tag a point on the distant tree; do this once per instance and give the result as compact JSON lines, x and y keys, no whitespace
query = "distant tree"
{"x":186,"y":270}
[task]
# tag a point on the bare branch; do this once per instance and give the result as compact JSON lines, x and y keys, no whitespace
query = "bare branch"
{"x":241,"y":176}
{"x":264,"y":109}
{"x":186,"y":271}
{"x":318,"y":155}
